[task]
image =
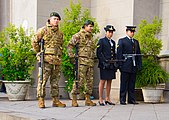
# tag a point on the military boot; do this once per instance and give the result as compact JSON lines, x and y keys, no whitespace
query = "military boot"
{"x":41,"y":103}
{"x":74,"y":101}
{"x":88,"y":102}
{"x":57,"y":103}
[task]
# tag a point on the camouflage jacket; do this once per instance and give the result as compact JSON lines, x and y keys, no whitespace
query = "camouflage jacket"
{"x":86,"y":47}
{"x":53,"y":40}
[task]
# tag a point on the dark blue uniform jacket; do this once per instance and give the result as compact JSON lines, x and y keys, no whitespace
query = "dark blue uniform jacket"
{"x":105,"y":51}
{"x":125,"y":46}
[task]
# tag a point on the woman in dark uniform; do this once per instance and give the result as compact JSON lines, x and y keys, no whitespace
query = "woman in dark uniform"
{"x":106,"y":52}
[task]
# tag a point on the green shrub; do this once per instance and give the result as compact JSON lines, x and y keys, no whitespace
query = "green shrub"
{"x":147,"y":36}
{"x":151,"y":73}
{"x":16,"y":57}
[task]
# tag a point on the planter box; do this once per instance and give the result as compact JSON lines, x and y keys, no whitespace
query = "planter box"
{"x":152,"y":95}
{"x":16,"y":90}
{"x":0,"y":84}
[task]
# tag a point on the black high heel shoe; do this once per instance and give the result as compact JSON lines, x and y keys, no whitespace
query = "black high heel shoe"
{"x":110,"y":103}
{"x":101,"y":104}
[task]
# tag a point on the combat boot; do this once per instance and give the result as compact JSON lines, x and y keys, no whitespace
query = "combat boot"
{"x":88,"y":102}
{"x":41,"y":103}
{"x":57,"y":103}
{"x":74,"y":101}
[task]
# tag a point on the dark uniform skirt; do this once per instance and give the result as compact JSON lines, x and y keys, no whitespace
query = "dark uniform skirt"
{"x":107,"y":74}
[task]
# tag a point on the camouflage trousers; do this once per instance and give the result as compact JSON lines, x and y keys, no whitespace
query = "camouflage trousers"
{"x":85,"y":83}
{"x":51,"y":72}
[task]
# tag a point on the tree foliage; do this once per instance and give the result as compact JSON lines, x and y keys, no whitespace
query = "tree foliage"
{"x":151,"y":73}
{"x":16,"y":58}
{"x":147,"y":36}
{"x":74,"y":18}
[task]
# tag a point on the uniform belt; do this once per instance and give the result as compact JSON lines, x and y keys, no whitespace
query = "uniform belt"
{"x":86,"y":57}
{"x":50,"y":51}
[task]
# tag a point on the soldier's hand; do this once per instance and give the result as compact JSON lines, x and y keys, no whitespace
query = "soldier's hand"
{"x":38,"y":56}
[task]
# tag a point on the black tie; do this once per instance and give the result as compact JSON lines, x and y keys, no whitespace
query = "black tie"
{"x":133,"y":46}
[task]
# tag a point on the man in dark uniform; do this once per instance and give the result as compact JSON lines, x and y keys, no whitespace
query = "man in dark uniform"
{"x":128,"y":49}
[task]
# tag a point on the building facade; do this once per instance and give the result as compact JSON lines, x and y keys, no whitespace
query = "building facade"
{"x":119,"y":13}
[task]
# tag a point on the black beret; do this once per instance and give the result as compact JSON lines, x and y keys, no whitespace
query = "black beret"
{"x":109,"y":28}
{"x":88,"y":22}
{"x":131,"y":28}
{"x":55,"y":14}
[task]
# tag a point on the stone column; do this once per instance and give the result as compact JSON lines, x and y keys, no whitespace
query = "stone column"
{"x":164,"y":62}
{"x":96,"y":80}
{"x":164,"y":36}
{"x":24,"y":10}
{"x":5,"y":13}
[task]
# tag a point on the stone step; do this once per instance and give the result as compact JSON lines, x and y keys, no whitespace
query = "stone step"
{"x":9,"y":116}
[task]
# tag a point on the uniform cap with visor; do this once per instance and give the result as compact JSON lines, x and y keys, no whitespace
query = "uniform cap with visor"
{"x":131,"y":28}
{"x":109,"y":28}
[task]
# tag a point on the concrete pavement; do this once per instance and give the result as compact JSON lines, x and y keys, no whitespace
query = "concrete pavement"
{"x":28,"y":110}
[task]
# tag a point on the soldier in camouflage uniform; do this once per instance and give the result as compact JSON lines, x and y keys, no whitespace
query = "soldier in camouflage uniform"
{"x":86,"y":50}
{"x":53,"y":40}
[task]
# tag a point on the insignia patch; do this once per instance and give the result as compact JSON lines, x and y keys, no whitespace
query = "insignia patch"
{"x":132,"y":28}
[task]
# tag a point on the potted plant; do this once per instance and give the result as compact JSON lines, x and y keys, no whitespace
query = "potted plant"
{"x":17,"y":60}
{"x":151,"y":79}
{"x":72,"y":22}
{"x":152,"y":74}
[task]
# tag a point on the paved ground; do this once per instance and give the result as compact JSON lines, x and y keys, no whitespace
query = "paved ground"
{"x":28,"y":110}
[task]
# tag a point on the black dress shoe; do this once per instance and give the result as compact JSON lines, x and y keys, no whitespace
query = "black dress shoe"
{"x":101,"y":104}
{"x":133,"y":102}
{"x":110,"y":103}
{"x":122,"y":103}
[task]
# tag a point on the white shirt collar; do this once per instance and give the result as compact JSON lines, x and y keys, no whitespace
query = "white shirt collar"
{"x":129,"y":37}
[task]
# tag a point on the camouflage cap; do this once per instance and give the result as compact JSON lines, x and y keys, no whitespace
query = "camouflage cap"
{"x":55,"y":14}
